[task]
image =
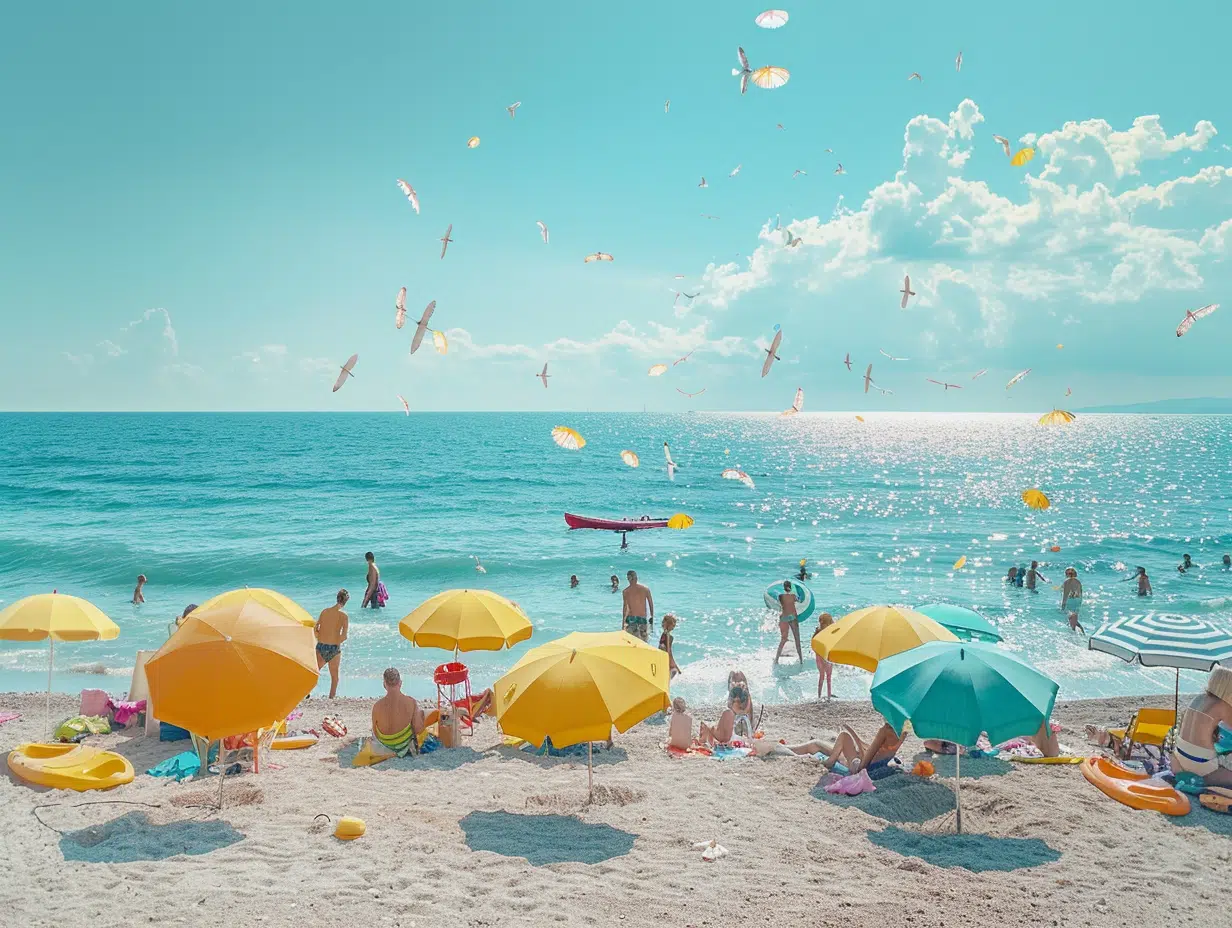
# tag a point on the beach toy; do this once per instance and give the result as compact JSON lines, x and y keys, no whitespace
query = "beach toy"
{"x":294,"y":742}
{"x":923,"y":768}
{"x":1055,"y":548}
{"x":1132,"y":789}
{"x":1216,"y":803}
{"x":805,"y":603}
{"x":334,"y":726}
{"x":349,"y":829}
{"x":69,"y":766}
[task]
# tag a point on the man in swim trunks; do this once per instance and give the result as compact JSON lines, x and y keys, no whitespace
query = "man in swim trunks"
{"x":331,"y":631}
{"x":1071,"y":598}
{"x":637,"y":608}
{"x":789,"y":622}
{"x":397,"y":719}
{"x":371,"y":600}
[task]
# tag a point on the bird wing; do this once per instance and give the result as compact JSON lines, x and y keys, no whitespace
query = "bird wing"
{"x":868,"y":377}
{"x":915,"y":76}
{"x":847,"y":360}
{"x":445,"y":240}
{"x":744,"y":81}
{"x":1005,"y":143}
{"x":422,"y":326}
{"x":958,"y":62}
{"x":798,"y":403}
{"x":409,"y":192}
{"x":744,"y":61}
{"x":937,"y":382}
{"x":346,"y":372}
{"x":543,"y":230}
{"x":406,"y":407}
{"x":1193,"y":316}
{"x":980,"y":373}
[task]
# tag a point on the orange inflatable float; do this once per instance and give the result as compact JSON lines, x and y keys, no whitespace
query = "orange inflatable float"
{"x":1130,"y":788}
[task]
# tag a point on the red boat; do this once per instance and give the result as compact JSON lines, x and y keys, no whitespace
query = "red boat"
{"x":613,"y":525}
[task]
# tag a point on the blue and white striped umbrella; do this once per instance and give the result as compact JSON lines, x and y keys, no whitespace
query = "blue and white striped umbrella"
{"x":1160,"y":639}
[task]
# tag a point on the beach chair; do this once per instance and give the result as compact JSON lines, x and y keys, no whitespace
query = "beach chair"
{"x":1147,"y":728}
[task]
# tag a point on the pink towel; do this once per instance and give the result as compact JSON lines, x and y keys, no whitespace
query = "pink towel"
{"x":122,"y":711}
{"x":9,"y":717}
{"x":853,"y":785}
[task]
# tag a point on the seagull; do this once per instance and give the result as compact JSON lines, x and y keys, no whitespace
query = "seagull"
{"x":847,"y":360}
{"x":479,"y":568}
{"x":409,"y":192}
{"x":445,"y":240}
{"x":792,"y":240}
{"x":840,"y":169}
{"x":1193,"y":315}
{"x":736,"y":171}
{"x":703,"y":183}
{"x":915,"y":76}
{"x":779,"y":125}
{"x":907,"y":292}
{"x":406,"y":407}
{"x":868,"y":378}
{"x":513,"y":108}
{"x":797,"y":173}
{"x":708,"y":216}
{"x":346,"y":372}
{"x":958,"y":62}
{"x":892,"y":358}
{"x":421,"y":327}
{"x":1005,"y":143}
{"x":772,"y":353}
{"x":667,"y":105}
{"x":672,"y":466}
{"x":744,"y":71}
{"x":685,"y":358}
{"x":1068,"y":391}
{"x":544,"y":375}
{"x":400,"y":309}
{"x":942,"y":383}
{"x":778,"y":222}
{"x":598,"y":256}
{"x":980,"y":373}
{"x":543,"y":230}
{"x":829,"y":151}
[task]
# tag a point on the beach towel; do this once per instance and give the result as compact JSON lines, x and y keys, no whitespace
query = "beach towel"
{"x":373,"y":752}
{"x":382,"y":594}
{"x":123,"y":711}
{"x":574,"y":750}
{"x":79,"y":726}
{"x":94,"y":702}
{"x":852,"y":785}
{"x":722,"y":752}
{"x":181,"y":766}
{"x":685,"y":752}
{"x":9,"y":717}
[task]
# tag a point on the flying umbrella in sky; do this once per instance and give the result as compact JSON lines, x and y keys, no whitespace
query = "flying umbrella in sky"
{"x":400,"y":309}
{"x":907,"y":292}
{"x":772,"y":19}
{"x":544,"y":375}
{"x":543,"y":231}
{"x":942,"y":383}
{"x":1022,"y":156}
{"x":796,"y":405}
{"x":770,"y":78}
{"x":567,"y":438}
{"x":734,"y":473}
{"x":409,"y":192}
{"x":472,"y":142}
{"x":868,"y":377}
{"x":406,"y":407}
{"x":1017,"y":377}
{"x":346,"y":372}
{"x":440,"y":342}
{"x":445,"y":240}
{"x":597,"y":256}
{"x":1057,"y":417}
{"x":421,"y":327}
{"x":630,"y":458}
{"x":657,"y":370}
{"x":772,"y":353}
{"x":672,"y":466}
{"x":1192,"y":316}
{"x":960,"y":563}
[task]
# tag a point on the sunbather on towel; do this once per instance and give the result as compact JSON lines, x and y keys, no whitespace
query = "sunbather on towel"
{"x":850,"y":750}
{"x":680,"y":728}
{"x":397,"y":719}
{"x":720,"y":733}
{"x":1204,"y":739}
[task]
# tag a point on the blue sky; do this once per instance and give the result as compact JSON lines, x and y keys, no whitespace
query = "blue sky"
{"x":200,"y":210}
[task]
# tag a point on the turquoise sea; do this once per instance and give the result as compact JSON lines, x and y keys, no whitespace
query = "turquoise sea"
{"x":881,"y":509}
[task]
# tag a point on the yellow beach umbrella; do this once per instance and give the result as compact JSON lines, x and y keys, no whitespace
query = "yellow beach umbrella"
{"x":867,"y":636}
{"x":680,"y":520}
{"x":576,"y":688}
{"x":1036,"y":499}
{"x":567,"y":438}
{"x":271,"y":599}
{"x":466,"y":620}
{"x":232,"y":669}
{"x":1057,"y":417}
{"x":55,"y":617}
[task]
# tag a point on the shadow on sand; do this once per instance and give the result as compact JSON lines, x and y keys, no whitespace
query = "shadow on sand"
{"x":545,"y":839}
{"x":898,"y":798}
{"x":133,"y":837}
{"x":440,"y":759}
{"x":977,"y":853}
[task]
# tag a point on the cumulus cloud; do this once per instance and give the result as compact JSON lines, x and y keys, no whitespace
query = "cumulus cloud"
{"x":267,"y":355}
{"x":111,"y":348}
{"x":173,"y":345}
{"x":656,"y":341}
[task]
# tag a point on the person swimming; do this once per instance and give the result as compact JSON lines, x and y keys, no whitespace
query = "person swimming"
{"x":1186,"y":565}
{"x":573,"y":581}
{"x":138,"y":594}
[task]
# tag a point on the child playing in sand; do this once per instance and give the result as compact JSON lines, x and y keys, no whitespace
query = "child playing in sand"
{"x":680,"y":728}
{"x":665,"y":642}
{"x":824,"y":668}
{"x":138,"y":595}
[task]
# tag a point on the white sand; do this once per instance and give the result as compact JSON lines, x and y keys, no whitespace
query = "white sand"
{"x":795,"y":859}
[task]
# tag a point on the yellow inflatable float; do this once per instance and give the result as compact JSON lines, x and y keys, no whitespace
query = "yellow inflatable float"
{"x":69,"y":766}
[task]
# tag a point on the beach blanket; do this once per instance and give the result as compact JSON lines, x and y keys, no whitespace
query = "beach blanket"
{"x":373,"y":752}
{"x":685,"y":752}
{"x":9,"y":717}
{"x":730,"y":753}
{"x":79,"y":726}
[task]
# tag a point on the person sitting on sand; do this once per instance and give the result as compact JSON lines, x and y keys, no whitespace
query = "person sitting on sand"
{"x":789,"y":621}
{"x":721,"y":732}
{"x":1204,"y":740}
{"x":397,"y":719}
{"x":825,"y":669}
{"x":1071,"y":599}
{"x":138,"y":595}
{"x":740,"y":701}
{"x":851,"y":751}
{"x":680,"y":728}
{"x":331,"y":631}
{"x":666,"y":640}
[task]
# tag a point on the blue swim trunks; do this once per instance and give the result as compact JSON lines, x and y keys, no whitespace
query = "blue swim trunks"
{"x":327,"y":652}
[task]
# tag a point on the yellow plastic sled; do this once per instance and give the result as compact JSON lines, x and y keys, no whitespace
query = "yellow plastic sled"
{"x":69,"y":766}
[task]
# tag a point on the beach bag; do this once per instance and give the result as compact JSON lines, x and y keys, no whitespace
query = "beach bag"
{"x":382,"y":594}
{"x":94,"y":702}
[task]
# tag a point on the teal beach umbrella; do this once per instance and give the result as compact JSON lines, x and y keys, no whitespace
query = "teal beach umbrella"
{"x":967,"y":624}
{"x":953,"y":691}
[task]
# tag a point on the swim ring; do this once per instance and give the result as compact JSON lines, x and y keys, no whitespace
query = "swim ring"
{"x":805,"y":604}
{"x":1130,"y":788}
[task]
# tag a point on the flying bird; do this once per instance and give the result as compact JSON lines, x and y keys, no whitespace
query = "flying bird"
{"x":907,"y":292}
{"x":1005,"y":143}
{"x":406,"y":407}
{"x":736,"y":170}
{"x":892,"y":358}
{"x":1017,"y":377}
{"x":400,"y":309}
{"x":792,"y":240}
{"x":479,"y":568}
{"x":672,"y":466}
{"x":734,"y":473}
{"x":703,"y":183}
{"x":597,"y":256}
{"x":796,"y":405}
{"x":543,"y":231}
{"x":744,"y":72}
{"x":1068,"y":391}
{"x":868,"y":377}
{"x":797,"y":172}
{"x":847,"y":360}
{"x":708,"y":216}
{"x":513,"y":108}
{"x":346,"y":372}
{"x":690,"y":395}
{"x":685,"y":358}
{"x":445,"y":240}
{"x":980,"y":373}
{"x":915,"y":76}
{"x":772,"y":353}
{"x":840,"y":169}
{"x":544,"y":375}
{"x":779,"y":125}
{"x":667,"y":105}
{"x":942,"y":383}
{"x":409,"y":192}
{"x":421,"y":327}
{"x":958,"y":62}
{"x":1192,"y":316}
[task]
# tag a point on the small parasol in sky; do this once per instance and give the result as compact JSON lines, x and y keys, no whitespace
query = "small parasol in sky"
{"x":1036,"y":499}
{"x":796,"y":405}
{"x":630,"y":458}
{"x":772,"y":19}
{"x":770,"y":78}
{"x":567,"y":438}
{"x":657,"y":370}
{"x":1022,"y":156}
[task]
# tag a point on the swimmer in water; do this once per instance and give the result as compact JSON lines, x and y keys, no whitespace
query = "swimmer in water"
{"x":573,"y":581}
{"x":1185,"y":565}
{"x":138,"y":595}
{"x":803,"y":573}
{"x":615,"y":584}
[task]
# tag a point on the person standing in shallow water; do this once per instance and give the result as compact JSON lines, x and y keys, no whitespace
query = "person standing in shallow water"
{"x":371,"y":598}
{"x":637,"y":608}
{"x":331,"y":631}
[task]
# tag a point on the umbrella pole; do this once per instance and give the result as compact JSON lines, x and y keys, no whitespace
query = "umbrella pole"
{"x":590,"y":772}
{"x":222,"y":773}
{"x":51,"y":661}
{"x":1176,"y":698}
{"x":957,"y":785}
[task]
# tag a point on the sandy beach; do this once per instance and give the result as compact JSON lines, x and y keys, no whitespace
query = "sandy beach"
{"x":460,"y":837}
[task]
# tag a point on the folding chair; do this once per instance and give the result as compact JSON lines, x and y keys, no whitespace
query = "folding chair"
{"x":1147,"y":727}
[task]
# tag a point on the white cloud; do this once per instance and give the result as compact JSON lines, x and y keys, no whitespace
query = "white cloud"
{"x":173,"y":346}
{"x":460,"y":340}
{"x":80,"y":361}
{"x":267,"y":355}
{"x":1090,"y":151}
{"x":658,"y":341}
{"x":113,"y":350}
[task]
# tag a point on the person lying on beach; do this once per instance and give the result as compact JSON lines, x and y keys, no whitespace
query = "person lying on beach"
{"x":1045,"y":739}
{"x":397,"y":719}
{"x":138,"y":595}
{"x":680,"y":728}
{"x":720,"y":733}
{"x":666,"y":640}
{"x":850,"y":750}
{"x":331,"y":631}
{"x":740,"y":701}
